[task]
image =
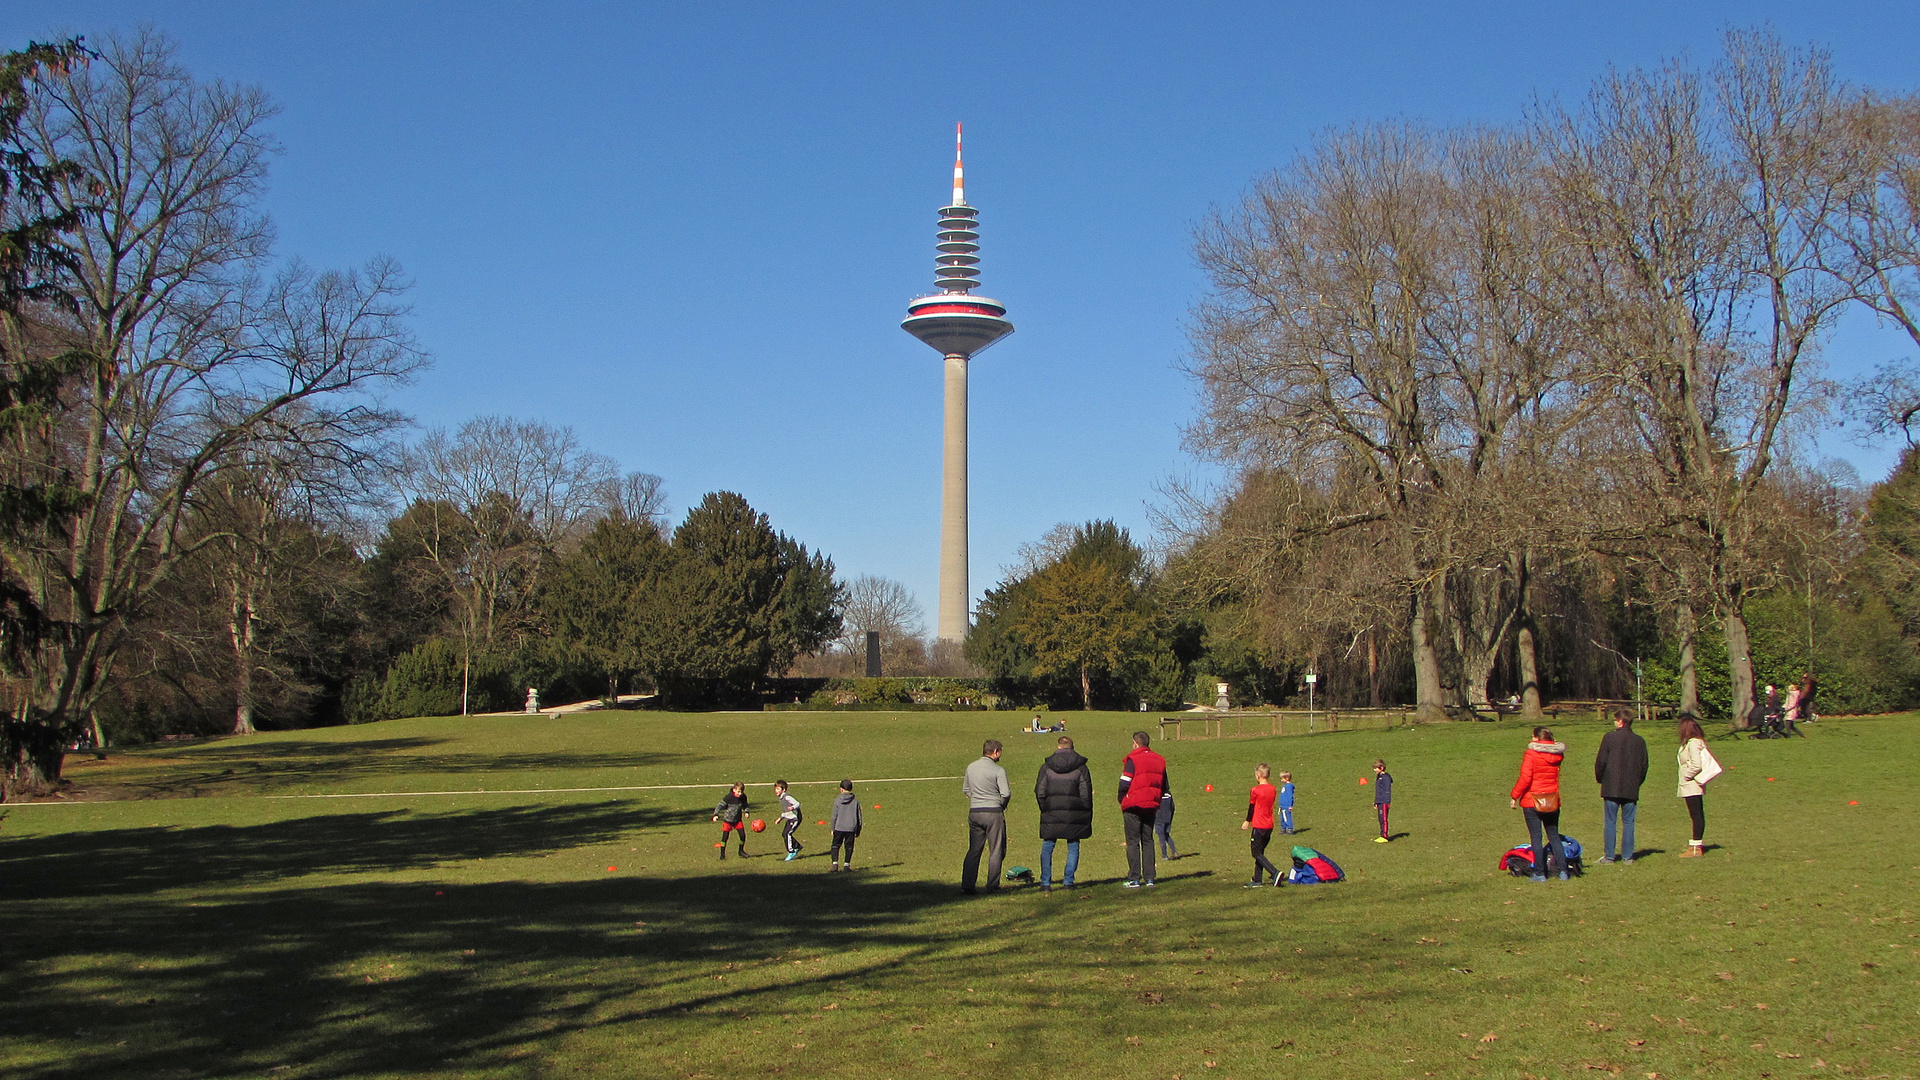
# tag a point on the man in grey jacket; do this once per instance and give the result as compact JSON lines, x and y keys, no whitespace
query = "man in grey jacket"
{"x":1620,"y":768}
{"x":987,"y":795}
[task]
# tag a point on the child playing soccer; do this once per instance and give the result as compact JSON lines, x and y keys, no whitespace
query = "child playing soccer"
{"x":732,"y":816}
{"x":845,"y":819}
{"x":1382,"y":797}
{"x":1163,"y":827}
{"x":1260,"y":822}
{"x":1285,"y":804}
{"x":789,"y":818}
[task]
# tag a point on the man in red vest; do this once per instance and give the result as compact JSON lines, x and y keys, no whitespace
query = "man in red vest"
{"x":1143,"y":779}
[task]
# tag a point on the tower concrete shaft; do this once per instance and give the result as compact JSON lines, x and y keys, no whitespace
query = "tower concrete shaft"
{"x":955,"y":592}
{"x":958,"y":325}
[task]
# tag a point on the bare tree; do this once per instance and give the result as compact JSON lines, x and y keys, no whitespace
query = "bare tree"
{"x":1708,"y":228}
{"x":506,"y":496}
{"x":884,"y":606}
{"x":185,"y":362}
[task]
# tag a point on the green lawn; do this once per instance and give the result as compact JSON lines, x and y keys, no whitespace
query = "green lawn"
{"x":197,"y":927}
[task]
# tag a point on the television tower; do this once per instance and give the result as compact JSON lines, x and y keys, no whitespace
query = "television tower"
{"x":958,"y":325}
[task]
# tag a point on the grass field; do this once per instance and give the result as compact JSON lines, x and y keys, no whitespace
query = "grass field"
{"x":197,"y":922}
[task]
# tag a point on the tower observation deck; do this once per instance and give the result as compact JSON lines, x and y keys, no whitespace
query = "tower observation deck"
{"x":958,"y":325}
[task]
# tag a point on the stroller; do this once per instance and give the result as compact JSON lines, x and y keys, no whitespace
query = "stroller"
{"x":1764,"y":722}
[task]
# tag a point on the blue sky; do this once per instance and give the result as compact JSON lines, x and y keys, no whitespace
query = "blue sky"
{"x":689,"y":231}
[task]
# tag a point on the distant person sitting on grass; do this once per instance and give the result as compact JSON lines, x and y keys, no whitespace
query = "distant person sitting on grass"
{"x":732,"y":816}
{"x":845,"y":820}
{"x":1382,"y":798}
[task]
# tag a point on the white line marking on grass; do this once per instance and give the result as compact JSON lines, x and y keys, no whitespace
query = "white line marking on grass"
{"x":496,"y":791}
{"x":555,"y":791}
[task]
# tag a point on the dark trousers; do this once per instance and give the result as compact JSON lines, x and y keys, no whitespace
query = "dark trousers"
{"x":986,"y":831}
{"x":786,"y":833}
{"x":1550,"y":823}
{"x":1261,"y":838}
{"x":1381,"y":809}
{"x":1163,"y":832}
{"x":846,"y":838}
{"x":1138,"y":825}
{"x":1697,"y":810}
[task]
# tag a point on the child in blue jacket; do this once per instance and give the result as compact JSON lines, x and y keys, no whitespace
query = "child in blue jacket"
{"x":1285,"y":804}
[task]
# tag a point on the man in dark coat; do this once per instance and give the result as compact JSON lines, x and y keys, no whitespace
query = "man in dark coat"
{"x":1620,"y":769}
{"x":1065,"y":791}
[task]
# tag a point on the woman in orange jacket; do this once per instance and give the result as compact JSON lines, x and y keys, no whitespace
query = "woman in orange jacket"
{"x":1537,"y":794}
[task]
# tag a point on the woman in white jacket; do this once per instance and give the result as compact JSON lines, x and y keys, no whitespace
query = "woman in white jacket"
{"x":1693,"y":758}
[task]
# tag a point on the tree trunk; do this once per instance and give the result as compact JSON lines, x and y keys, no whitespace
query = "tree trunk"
{"x":240,"y":632}
{"x":1373,"y":670}
{"x":1429,"y":701}
{"x":1689,"y":673}
{"x":1740,"y":666}
{"x":1086,"y":689}
{"x":1526,"y":654}
{"x":34,"y":757}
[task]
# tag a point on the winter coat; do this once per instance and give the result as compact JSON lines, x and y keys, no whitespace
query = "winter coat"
{"x":1692,"y":759}
{"x":1064,"y":790}
{"x":731,"y":809}
{"x":1143,"y":779}
{"x":1163,"y":817}
{"x":1383,"y":789}
{"x":845,"y":817}
{"x":1540,"y":770}
{"x":1621,"y":766}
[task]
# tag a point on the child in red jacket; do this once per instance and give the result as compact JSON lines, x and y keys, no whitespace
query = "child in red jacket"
{"x":1260,"y":823}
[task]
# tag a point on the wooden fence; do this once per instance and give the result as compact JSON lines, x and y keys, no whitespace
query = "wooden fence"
{"x":1240,"y":724}
{"x":1250,"y":722}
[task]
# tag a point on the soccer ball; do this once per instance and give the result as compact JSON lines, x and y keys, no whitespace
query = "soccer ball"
{"x":759,"y":826}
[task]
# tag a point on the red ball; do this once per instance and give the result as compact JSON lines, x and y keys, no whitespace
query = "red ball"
{"x":759,"y":826}
{"x":1209,"y":787}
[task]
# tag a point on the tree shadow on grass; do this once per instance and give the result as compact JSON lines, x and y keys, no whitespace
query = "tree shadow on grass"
{"x":111,"y":976}
{"x":131,"y":861}
{"x":390,"y":979}
{"x":226,"y":768}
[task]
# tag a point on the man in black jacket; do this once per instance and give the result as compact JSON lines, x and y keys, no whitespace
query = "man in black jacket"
{"x":1064,"y":789}
{"x":1620,"y":769}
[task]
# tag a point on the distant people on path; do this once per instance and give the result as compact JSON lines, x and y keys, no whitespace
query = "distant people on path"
{"x":1807,"y":686}
{"x":1537,"y":794}
{"x":1790,"y":707}
{"x":1064,"y":790}
{"x":1259,"y":822}
{"x":845,"y":820}
{"x":1143,"y":779}
{"x":731,"y":813}
{"x":1620,"y":768}
{"x":1284,"y":802}
{"x":1382,"y":798}
{"x":789,"y":819}
{"x":1163,"y":827}
{"x":1696,"y":768}
{"x":987,"y":795}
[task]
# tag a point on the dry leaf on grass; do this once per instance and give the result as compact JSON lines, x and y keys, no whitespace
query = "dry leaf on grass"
{"x":1489,"y":1037}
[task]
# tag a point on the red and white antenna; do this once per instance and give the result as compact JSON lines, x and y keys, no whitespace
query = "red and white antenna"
{"x":959,"y":176}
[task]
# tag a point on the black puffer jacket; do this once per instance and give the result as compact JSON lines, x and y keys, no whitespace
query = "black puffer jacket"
{"x":1065,"y":791}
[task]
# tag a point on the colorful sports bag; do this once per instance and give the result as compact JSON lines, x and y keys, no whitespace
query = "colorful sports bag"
{"x":1312,"y":868}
